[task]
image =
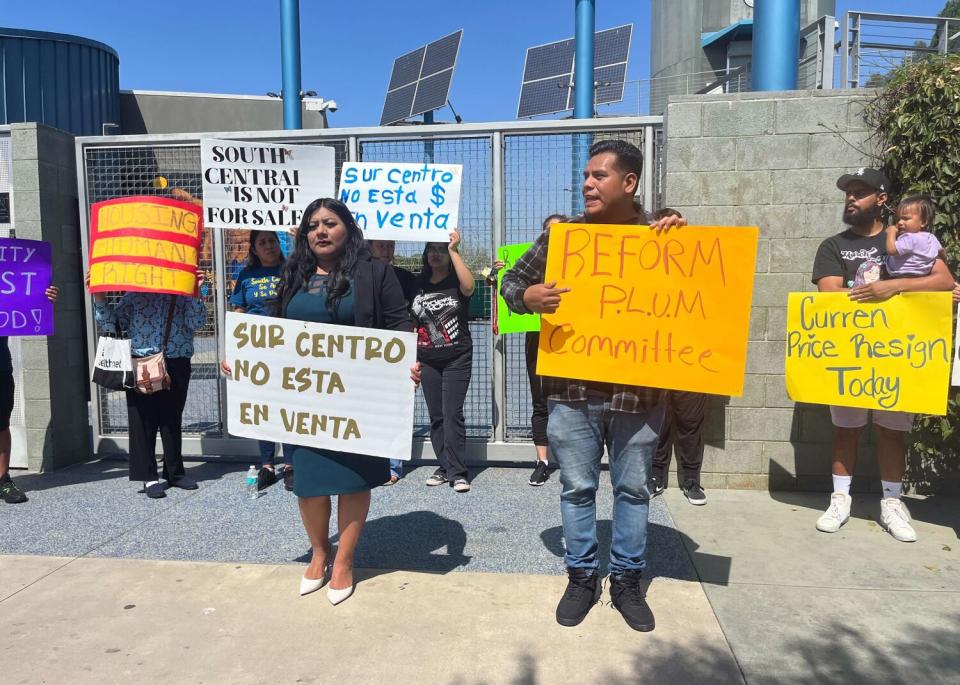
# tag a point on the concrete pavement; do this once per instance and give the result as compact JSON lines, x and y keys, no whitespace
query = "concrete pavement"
{"x":100,"y":585}
{"x":123,"y":621}
{"x":856,"y":606}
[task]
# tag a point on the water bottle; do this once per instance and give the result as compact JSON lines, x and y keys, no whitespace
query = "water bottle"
{"x":252,"y":483}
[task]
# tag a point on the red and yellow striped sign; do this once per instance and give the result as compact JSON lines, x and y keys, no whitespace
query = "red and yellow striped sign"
{"x":144,"y":244}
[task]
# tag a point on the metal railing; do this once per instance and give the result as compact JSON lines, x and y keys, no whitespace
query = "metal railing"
{"x":647,"y":97}
{"x":818,"y":47}
{"x":872,"y":44}
{"x":515,"y":174}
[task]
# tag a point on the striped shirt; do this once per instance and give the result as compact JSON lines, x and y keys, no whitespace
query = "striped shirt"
{"x":529,"y":270}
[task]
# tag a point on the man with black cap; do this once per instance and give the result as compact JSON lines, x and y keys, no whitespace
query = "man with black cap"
{"x":839,"y":267}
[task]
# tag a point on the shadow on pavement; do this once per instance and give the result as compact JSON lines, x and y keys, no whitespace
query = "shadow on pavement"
{"x":938,"y":510}
{"x":660,"y":540}
{"x":415,"y":541}
{"x":111,"y":469}
{"x":697,"y":663}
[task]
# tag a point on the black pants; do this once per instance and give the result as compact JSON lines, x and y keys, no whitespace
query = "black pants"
{"x":683,"y":430}
{"x":445,"y":386}
{"x":161,"y":411}
{"x":538,"y":419}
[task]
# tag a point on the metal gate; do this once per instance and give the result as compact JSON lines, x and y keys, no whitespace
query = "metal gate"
{"x":514,"y":175}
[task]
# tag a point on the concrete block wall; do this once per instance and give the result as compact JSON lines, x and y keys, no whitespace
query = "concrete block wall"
{"x":55,"y":373}
{"x":769,"y":160}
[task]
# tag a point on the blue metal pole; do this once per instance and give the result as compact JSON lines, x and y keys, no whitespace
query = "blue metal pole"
{"x":583,"y":66}
{"x":583,"y":96}
{"x":776,"y":44}
{"x":290,"y":58}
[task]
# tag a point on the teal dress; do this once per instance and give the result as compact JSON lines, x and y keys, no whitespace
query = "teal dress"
{"x":319,"y":471}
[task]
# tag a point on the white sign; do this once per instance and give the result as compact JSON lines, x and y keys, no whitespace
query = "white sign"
{"x":262,"y":186}
{"x":342,"y":388}
{"x":419,"y":202}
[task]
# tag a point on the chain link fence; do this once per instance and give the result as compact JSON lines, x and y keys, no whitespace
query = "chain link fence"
{"x":513,"y":177}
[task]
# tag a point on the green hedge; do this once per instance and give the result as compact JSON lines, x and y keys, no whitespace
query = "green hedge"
{"x":916,"y":119}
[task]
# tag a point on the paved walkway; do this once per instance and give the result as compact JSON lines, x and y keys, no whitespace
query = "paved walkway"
{"x":100,"y":585}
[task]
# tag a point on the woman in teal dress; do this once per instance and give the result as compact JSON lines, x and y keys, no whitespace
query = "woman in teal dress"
{"x":331,"y":278}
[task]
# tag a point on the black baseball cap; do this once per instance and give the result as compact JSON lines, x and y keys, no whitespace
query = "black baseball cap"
{"x":867,"y":176}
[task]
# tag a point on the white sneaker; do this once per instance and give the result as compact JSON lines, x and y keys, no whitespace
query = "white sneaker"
{"x":836,"y":515}
{"x":896,"y":519}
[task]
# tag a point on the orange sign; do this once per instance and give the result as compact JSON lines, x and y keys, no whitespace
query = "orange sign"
{"x":665,"y":311}
{"x":144,"y":244}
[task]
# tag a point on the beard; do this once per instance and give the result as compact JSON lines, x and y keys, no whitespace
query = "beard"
{"x":861,"y":217}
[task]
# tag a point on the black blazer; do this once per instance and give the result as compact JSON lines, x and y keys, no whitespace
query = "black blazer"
{"x":378,"y":298}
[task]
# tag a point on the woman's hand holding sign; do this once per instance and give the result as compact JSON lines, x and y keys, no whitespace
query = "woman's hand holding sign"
{"x":415,"y":374}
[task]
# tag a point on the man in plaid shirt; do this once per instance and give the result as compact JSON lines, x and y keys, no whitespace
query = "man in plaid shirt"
{"x":586,"y":416}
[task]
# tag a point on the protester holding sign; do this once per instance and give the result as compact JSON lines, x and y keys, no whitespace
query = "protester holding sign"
{"x":538,"y":398}
{"x":838,"y":262}
{"x":9,"y":492}
{"x":331,"y":278}
{"x":384,"y":251}
{"x":587,"y":416}
{"x":255,"y":292}
{"x":682,"y":430}
{"x":156,"y":323}
{"x":445,"y":349}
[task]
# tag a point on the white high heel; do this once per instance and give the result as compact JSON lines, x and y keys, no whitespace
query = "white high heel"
{"x":336,"y":596}
{"x":308,"y":585}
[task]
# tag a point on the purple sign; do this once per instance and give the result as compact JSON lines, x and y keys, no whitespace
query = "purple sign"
{"x":25,"y":274}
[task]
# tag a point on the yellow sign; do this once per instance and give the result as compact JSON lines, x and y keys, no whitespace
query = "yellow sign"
{"x":667,"y":311}
{"x":893,"y":355}
{"x":144,"y":244}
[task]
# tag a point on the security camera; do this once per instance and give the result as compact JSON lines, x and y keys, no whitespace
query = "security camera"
{"x":320,"y":105}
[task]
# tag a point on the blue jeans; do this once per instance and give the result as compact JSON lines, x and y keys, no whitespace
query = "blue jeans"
{"x":396,"y":468}
{"x":578,"y":432}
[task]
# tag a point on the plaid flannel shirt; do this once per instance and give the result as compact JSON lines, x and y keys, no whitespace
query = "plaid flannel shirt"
{"x":529,"y":270}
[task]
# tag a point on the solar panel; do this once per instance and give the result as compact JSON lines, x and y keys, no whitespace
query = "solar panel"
{"x":432,"y":92}
{"x":544,"y":96}
{"x":406,"y":69}
{"x":547,"y":86}
{"x":420,"y":81}
{"x":553,"y":59}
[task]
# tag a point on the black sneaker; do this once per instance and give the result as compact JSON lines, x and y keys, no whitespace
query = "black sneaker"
{"x":439,"y":477}
{"x":628,"y":599}
{"x":155,"y":490}
{"x":540,"y":475}
{"x":583,"y":591}
{"x":184,"y":483}
{"x":694,"y":493}
{"x":9,"y":491}
{"x":265,"y":478}
{"x":288,"y":479}
{"x":657,"y":485}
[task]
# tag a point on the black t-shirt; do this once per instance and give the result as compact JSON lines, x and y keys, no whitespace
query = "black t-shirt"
{"x":842,"y":255}
{"x":6,"y":362}
{"x":440,"y":310}
{"x":408,"y":283}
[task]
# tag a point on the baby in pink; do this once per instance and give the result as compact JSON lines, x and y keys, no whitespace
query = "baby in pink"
{"x":911,"y":247}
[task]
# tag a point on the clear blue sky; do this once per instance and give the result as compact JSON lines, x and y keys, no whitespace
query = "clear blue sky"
{"x":348,"y":48}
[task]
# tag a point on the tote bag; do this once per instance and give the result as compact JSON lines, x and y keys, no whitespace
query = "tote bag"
{"x":113,"y":368}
